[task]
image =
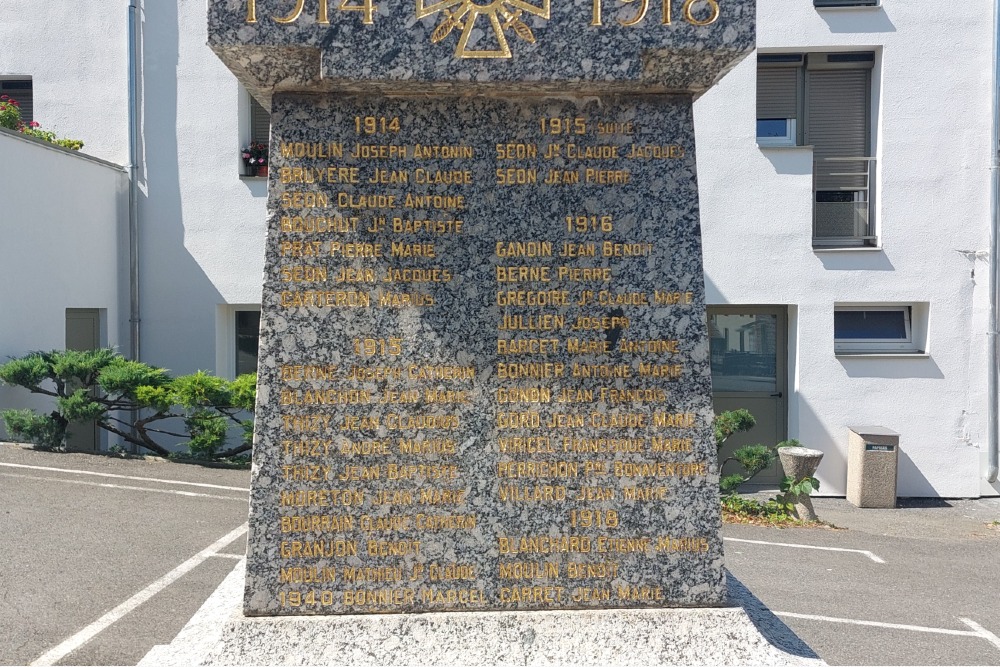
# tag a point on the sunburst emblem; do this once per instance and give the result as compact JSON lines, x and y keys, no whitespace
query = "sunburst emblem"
{"x":502,"y":15}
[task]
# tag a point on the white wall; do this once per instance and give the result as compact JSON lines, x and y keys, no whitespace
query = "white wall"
{"x":75,"y":54}
{"x":932,"y":125}
{"x":202,"y":227}
{"x":63,"y":230}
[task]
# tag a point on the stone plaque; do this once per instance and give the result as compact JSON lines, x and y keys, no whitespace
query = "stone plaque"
{"x":484,"y":370}
{"x":484,"y":378}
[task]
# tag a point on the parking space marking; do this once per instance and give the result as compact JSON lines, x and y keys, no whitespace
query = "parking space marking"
{"x":175,"y":492}
{"x":879,"y":624}
{"x":233,"y":556}
{"x":57,"y":653}
{"x":982,"y":632}
{"x":108,"y":474}
{"x":867,"y":554}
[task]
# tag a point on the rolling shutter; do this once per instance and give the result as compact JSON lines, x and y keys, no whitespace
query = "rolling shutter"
{"x":777,"y":92}
{"x":837,"y":124}
{"x":260,"y":123}
{"x":20,"y":91}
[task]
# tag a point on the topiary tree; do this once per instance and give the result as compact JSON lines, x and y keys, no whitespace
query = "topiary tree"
{"x":751,"y":458}
{"x":103,"y":386}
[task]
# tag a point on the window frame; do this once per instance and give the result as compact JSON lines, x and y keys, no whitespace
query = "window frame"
{"x":845,"y":4}
{"x":238,"y":335}
{"x":249,"y":110}
{"x":788,"y":139}
{"x":794,"y":128}
{"x":913,"y":342}
{"x":226,"y":331}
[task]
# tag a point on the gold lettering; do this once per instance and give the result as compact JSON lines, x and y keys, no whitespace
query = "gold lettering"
{"x":325,"y":299}
{"x":322,"y":498}
{"x":379,"y":597}
{"x":393,"y":548}
{"x":296,"y":12}
{"x":318,"y":549}
{"x":516,"y":151}
{"x":514,"y":176}
{"x":640,"y":14}
{"x":304,"y":200}
{"x":690,"y":17}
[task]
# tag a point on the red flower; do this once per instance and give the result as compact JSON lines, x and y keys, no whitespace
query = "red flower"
{"x":34,"y":123}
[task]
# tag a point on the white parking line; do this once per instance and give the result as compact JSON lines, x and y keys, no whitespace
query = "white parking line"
{"x":175,"y":492}
{"x":53,"y":655}
{"x":878,"y":624}
{"x":977,"y":631}
{"x":141,"y":479}
{"x":233,"y":556}
{"x":982,"y":632}
{"x":867,"y":554}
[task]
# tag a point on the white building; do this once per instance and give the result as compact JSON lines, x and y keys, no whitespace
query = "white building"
{"x":845,"y":174}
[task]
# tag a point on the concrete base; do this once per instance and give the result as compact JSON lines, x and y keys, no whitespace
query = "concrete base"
{"x":219,"y":634}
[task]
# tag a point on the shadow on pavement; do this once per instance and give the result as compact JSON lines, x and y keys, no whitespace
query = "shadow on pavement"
{"x":770,"y":626}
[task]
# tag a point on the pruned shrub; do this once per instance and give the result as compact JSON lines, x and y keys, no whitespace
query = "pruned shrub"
{"x":102,"y":386}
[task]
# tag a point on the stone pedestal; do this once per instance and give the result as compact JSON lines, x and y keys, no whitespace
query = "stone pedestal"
{"x":799,"y":463}
{"x":742,"y":633}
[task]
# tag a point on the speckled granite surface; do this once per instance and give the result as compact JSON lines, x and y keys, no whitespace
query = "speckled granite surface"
{"x":746,"y":633}
{"x":530,"y":44}
{"x":501,"y":386}
{"x":484,"y":369}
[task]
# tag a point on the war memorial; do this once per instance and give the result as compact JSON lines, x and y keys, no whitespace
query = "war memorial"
{"x":483,"y":429}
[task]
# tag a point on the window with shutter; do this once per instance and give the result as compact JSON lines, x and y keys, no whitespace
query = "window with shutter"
{"x":823,"y":100}
{"x":260,"y":123}
{"x":777,"y":106}
{"x":845,"y":3}
{"x":20,"y":90}
{"x":255,"y":130}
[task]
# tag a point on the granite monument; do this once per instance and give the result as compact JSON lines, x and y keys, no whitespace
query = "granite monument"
{"x":484,"y":377}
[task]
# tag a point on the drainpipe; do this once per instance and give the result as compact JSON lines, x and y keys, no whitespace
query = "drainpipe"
{"x":133,"y":172}
{"x":133,"y":188}
{"x":992,"y":409}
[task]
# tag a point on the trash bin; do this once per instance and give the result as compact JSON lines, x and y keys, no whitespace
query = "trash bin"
{"x":872,"y":461}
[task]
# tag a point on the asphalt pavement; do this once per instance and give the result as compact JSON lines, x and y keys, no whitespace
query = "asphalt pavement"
{"x":105,"y":558}
{"x":84,"y":535}
{"x":915,"y":585}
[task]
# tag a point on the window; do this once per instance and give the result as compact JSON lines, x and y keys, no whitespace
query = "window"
{"x":845,"y":3}
{"x":20,"y":90}
{"x":880,"y":329}
{"x":247,"y":340}
{"x":823,"y":100}
{"x":779,"y":95}
{"x":258,"y":128}
{"x":260,"y":122}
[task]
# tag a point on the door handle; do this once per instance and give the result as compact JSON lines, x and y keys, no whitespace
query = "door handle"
{"x":778,"y":395}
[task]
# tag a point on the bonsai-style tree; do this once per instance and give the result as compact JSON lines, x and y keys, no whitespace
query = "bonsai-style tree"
{"x":128,"y":398}
{"x":751,"y":458}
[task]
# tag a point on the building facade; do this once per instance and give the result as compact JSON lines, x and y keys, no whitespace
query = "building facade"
{"x":845,"y":186}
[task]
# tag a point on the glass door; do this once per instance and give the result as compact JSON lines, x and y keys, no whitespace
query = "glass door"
{"x":749,"y":347}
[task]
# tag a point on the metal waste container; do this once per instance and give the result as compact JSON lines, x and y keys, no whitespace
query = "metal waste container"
{"x":872,"y":462}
